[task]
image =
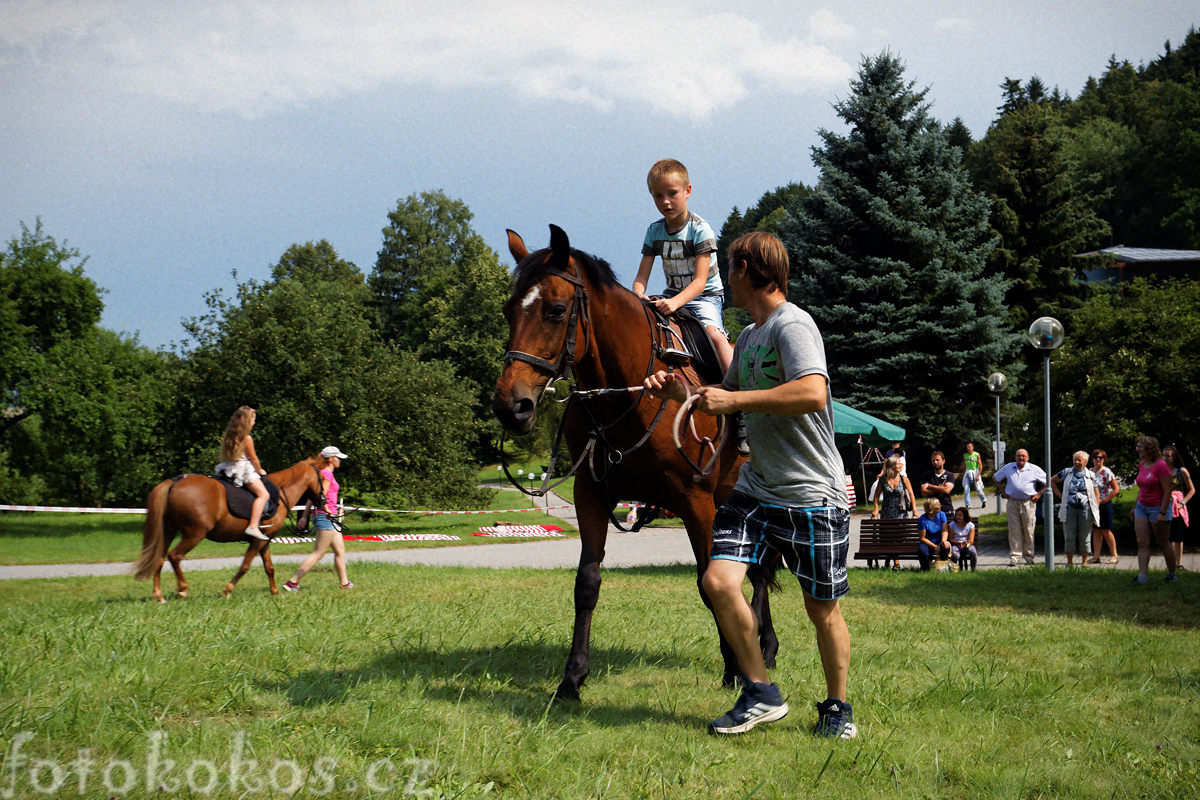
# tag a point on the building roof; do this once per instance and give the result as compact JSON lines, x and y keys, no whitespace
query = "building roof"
{"x":1133,"y":255}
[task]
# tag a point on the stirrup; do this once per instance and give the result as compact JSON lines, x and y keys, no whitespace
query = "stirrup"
{"x":675,"y":357}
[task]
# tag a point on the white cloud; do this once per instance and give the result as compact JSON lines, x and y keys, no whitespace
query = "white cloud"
{"x":253,"y":57}
{"x":957,"y":25}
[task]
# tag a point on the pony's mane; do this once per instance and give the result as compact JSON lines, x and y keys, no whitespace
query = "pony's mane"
{"x":533,"y":267}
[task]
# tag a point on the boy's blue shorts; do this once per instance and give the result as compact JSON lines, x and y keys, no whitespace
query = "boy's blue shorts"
{"x":708,"y":307}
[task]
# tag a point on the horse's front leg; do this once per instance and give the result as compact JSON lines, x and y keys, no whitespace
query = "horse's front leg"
{"x":593,"y":532}
{"x":247,"y":560}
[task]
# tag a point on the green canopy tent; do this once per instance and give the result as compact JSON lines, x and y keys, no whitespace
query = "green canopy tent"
{"x":873,"y":431}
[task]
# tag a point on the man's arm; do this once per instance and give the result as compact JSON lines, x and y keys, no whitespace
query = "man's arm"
{"x":801,"y":396}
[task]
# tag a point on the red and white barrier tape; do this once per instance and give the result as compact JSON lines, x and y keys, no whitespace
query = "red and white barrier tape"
{"x":81,"y":510}
{"x":493,"y":511}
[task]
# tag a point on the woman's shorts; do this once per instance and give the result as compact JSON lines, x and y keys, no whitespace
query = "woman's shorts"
{"x":708,"y":307}
{"x":1106,"y":516}
{"x":323,"y":522}
{"x":1152,"y":513}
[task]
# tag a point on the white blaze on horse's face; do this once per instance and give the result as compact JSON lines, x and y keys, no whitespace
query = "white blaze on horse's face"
{"x":532,"y":297}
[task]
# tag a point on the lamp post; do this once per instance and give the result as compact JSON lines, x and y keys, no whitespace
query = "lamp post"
{"x":997,"y":383}
{"x":1046,"y":334}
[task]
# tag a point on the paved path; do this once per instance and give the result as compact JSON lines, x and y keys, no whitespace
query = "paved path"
{"x":650,"y":547}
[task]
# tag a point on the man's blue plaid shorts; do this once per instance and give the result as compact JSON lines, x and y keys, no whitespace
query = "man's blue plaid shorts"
{"x":813,"y":541}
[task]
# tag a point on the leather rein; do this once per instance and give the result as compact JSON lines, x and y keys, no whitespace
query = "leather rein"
{"x":563,"y":365}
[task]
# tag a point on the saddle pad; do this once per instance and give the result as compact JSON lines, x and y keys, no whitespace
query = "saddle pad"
{"x":695,"y":338}
{"x":239,"y":499}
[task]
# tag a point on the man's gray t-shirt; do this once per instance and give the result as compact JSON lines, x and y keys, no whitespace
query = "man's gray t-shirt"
{"x":793,"y":460}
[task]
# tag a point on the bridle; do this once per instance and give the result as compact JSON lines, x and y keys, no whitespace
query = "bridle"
{"x":564,"y":364}
{"x":559,"y":367}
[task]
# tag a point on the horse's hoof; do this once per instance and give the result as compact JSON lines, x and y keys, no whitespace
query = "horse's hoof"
{"x":160,"y":598}
{"x":183,"y":595}
{"x":566,"y":693}
{"x":226,"y":592}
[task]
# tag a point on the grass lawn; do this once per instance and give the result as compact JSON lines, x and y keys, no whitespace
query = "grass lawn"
{"x":436,"y":680}
{"x":61,"y":538}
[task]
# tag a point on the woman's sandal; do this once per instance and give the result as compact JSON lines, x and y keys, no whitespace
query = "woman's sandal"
{"x":1113,"y":560}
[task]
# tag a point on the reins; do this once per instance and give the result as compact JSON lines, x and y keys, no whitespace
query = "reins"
{"x":661,"y":349}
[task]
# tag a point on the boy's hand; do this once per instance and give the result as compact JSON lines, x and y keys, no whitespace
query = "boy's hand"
{"x":663,"y":384}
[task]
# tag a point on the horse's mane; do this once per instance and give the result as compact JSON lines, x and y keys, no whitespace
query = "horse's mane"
{"x":534,"y":266}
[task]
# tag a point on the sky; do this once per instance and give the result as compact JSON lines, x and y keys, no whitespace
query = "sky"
{"x":176,"y":144}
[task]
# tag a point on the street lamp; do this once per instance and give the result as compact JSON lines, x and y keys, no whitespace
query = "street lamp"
{"x":997,"y":383}
{"x":1046,"y":334}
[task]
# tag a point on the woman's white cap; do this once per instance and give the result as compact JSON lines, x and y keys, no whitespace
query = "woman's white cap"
{"x":332,"y":452}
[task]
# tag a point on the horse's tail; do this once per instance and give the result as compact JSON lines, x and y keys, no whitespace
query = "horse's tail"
{"x":152,"y":531}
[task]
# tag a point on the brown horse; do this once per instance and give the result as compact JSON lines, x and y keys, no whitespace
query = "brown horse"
{"x":194,"y":506}
{"x":567,"y":310}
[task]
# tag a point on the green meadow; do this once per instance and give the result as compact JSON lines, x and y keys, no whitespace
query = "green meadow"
{"x":436,"y":682}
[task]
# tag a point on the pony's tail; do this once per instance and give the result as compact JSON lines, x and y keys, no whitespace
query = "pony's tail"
{"x":152,"y":531}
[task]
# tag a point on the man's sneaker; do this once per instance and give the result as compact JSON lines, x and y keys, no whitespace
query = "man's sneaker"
{"x":760,"y":702}
{"x":1171,"y":578}
{"x":1139,"y":580}
{"x":836,"y":720}
{"x":291,"y":586}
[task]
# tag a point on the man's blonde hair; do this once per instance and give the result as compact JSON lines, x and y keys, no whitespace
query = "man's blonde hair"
{"x":664,"y":169}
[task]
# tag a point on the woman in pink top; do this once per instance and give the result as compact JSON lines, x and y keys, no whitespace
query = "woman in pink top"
{"x":327,"y":535}
{"x":1152,"y":513}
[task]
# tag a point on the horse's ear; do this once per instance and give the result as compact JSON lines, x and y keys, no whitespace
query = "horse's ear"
{"x":516,"y":245}
{"x":560,"y":245}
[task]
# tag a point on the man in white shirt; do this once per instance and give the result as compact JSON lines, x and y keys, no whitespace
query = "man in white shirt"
{"x":1022,"y":484}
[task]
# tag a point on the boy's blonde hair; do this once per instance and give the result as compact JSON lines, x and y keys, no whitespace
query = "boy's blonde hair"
{"x":664,"y":169}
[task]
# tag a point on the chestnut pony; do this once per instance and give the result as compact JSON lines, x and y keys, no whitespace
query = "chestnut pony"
{"x":567,"y":310}
{"x":194,"y":506}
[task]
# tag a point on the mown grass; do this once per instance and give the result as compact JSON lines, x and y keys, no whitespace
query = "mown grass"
{"x":63,"y":538}
{"x":989,"y":685}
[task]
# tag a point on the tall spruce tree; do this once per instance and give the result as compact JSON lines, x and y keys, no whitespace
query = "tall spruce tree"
{"x":889,"y":256}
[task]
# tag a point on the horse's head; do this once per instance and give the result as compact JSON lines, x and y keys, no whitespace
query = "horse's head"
{"x":547,"y":320}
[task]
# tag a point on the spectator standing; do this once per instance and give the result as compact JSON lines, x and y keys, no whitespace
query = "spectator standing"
{"x":973,"y":475}
{"x":893,"y":492}
{"x":1182,"y":490}
{"x":938,"y":483}
{"x":1022,"y":485}
{"x":1107,"y":487}
{"x":1151,"y":514}
{"x":1079,"y":509}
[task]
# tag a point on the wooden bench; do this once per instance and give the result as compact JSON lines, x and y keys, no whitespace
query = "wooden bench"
{"x":887,"y":540}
